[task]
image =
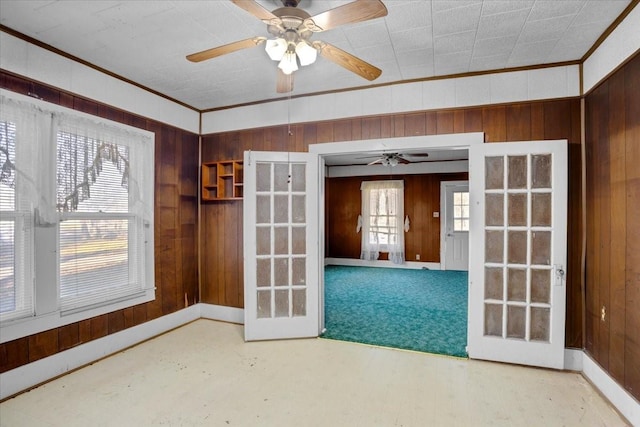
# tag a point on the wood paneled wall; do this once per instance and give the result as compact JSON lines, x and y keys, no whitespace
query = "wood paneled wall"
{"x":613,"y":225}
{"x":176,"y":267}
{"x":222,"y":276}
{"x":421,"y":199}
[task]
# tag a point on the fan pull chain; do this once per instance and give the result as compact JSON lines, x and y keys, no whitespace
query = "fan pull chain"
{"x":289,"y":109}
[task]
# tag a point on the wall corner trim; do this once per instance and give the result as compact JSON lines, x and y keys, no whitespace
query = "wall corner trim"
{"x":626,"y":405}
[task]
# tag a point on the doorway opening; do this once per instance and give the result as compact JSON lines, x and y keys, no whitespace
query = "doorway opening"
{"x":336,"y":153}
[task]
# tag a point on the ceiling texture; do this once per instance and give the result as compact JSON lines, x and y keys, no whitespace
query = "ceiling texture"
{"x":146,"y":42}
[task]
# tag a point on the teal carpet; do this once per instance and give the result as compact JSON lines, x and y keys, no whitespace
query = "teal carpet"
{"x":422,"y":310}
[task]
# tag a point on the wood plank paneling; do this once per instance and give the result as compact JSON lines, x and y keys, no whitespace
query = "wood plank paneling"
{"x":632,"y":262}
{"x":617,"y":205}
{"x":176,"y":168}
{"x":613,"y":230}
{"x":421,"y":199}
{"x":521,"y":121}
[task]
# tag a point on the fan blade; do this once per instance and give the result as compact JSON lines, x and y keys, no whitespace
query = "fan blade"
{"x":417,"y":154}
{"x":356,"y":11}
{"x":348,"y":61}
{"x":284,"y":82}
{"x":223,"y":50}
{"x":402,"y":160}
{"x":375,"y":162}
{"x":256,"y":10}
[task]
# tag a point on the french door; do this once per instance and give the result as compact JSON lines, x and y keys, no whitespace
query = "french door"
{"x":518,"y":195}
{"x":281,"y":245}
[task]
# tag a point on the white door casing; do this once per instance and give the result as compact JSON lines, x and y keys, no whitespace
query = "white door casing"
{"x":454,"y":234}
{"x":281,"y":245}
{"x":518,"y":194}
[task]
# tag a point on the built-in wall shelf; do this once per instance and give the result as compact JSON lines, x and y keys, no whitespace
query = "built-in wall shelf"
{"x":222,"y":180}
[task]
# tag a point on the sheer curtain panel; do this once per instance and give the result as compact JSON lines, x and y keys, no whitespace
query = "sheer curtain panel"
{"x":382,"y":220}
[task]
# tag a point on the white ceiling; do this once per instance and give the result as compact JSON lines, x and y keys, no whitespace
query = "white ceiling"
{"x":147,"y":41}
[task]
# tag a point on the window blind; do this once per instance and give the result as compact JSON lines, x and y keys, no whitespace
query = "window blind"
{"x":16,"y":231}
{"x":100,"y":255}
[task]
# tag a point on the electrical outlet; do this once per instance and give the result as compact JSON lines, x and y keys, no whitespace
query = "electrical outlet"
{"x":603,"y":313}
{"x":417,"y":257}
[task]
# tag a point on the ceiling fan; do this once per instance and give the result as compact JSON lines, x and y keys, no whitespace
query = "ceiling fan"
{"x":293,"y":28}
{"x":394,"y":159}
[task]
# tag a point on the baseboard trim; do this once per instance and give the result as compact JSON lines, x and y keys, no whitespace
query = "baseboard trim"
{"x":573,"y":359}
{"x":378,"y":263}
{"x":28,"y":376}
{"x":222,"y":313}
{"x":626,"y":404}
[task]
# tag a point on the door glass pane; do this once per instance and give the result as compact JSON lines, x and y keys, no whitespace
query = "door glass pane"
{"x":263,"y":209}
{"x":516,"y":321}
{"x":281,"y":208}
{"x":282,"y":303}
{"x":493,"y":283}
{"x":494,"y":173}
{"x":541,"y":171}
{"x":517,"y":209}
{"x":493,"y":319}
{"x":516,"y":284}
{"x":298,"y":209}
{"x":299,"y":240}
{"x":299,"y":302}
{"x":281,"y":240}
{"x":263,"y":240}
{"x":540,"y":323}
{"x":281,"y":271}
{"x":299,"y":271}
{"x":517,"y":247}
{"x":298,"y":177}
{"x":264,"y":304}
{"x":540,"y":286}
{"x":494,"y":246}
{"x":517,"y":172}
{"x":494,"y":209}
{"x":263,"y":177}
{"x":263,"y":272}
{"x":281,"y":177}
{"x":541,"y":209}
{"x":541,"y":247}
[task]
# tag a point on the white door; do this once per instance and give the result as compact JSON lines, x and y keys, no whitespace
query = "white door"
{"x":455,"y":225}
{"x":518,"y":252}
{"x":281,"y":245}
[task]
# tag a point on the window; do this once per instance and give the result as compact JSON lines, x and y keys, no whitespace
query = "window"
{"x":383,"y":213}
{"x":87,"y":199}
{"x":16,"y":243}
{"x":460,"y":211}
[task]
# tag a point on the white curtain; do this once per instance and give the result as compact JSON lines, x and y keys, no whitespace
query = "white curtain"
{"x":40,"y":124}
{"x":383,"y":220}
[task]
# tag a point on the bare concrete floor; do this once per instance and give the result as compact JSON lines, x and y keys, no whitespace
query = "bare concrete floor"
{"x":203,"y":374}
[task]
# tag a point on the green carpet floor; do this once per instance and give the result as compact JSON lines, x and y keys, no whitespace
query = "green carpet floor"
{"x":422,"y":310}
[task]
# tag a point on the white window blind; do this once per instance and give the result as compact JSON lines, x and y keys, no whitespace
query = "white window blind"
{"x":16,"y":241}
{"x":101,"y":256}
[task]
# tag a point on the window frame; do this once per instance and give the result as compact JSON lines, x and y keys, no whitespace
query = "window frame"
{"x":46,"y":287}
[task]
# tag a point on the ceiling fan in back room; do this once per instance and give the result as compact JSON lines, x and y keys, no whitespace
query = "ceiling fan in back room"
{"x":293,"y":28}
{"x":394,"y":159}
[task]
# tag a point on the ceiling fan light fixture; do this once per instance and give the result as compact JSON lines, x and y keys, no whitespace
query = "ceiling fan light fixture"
{"x":276,"y":48}
{"x":307,"y":54}
{"x":393,"y":161}
{"x":288,"y":64}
